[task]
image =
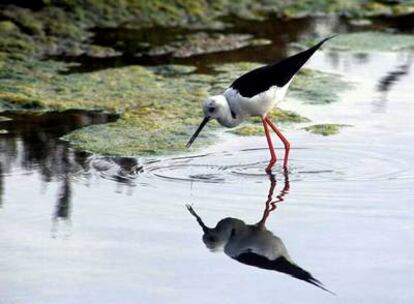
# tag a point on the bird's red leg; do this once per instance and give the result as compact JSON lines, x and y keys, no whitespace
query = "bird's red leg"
{"x":270,"y":144}
{"x":282,"y":138}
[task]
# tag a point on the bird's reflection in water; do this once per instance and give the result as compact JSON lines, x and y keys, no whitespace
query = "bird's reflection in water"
{"x":255,"y":245}
{"x":61,"y":217}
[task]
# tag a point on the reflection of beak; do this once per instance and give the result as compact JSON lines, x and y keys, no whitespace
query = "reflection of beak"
{"x":199,"y":220}
{"x":193,"y":138}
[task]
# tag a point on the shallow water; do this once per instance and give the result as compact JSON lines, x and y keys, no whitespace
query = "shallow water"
{"x":78,"y":228}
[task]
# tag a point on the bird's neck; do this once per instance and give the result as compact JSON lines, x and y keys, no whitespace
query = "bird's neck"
{"x":229,"y":117}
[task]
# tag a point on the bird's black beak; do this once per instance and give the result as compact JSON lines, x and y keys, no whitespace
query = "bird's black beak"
{"x":193,"y":138}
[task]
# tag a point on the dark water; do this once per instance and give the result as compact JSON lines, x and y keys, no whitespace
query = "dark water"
{"x":78,"y":228}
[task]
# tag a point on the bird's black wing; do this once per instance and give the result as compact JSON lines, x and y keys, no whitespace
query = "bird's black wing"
{"x":277,"y":74}
{"x":281,"y":264}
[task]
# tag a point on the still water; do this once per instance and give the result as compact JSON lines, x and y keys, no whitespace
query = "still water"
{"x":82,"y":228}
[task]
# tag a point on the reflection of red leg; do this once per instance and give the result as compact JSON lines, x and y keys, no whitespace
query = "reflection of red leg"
{"x":269,"y":205}
{"x":270,"y":144}
{"x":285,"y":190}
{"x":285,"y":141}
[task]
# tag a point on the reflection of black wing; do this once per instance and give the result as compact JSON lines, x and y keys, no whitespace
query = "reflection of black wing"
{"x":281,"y":264}
{"x":277,"y":74}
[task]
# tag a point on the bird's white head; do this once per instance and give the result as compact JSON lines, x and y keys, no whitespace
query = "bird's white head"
{"x":216,"y":238}
{"x":216,"y":107}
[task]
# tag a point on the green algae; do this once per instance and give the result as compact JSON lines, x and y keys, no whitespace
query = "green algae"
{"x":248,"y":130}
{"x":283,"y":116}
{"x":371,"y":41}
{"x":158,"y":105}
{"x":325,"y":129}
{"x":126,"y":139}
{"x":14,"y":43}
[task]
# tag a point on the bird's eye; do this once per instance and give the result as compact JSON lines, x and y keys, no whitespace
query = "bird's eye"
{"x":211,"y":110}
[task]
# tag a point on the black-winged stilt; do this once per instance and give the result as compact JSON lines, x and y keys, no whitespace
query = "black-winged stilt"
{"x":255,"y":245}
{"x":255,"y":94}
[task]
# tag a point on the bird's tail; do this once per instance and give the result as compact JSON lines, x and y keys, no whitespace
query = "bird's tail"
{"x":291,"y":65}
{"x":288,"y":267}
{"x":324,"y":40}
{"x":301,"y":274}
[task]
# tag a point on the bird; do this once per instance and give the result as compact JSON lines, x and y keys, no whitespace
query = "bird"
{"x":255,"y":94}
{"x":255,"y":245}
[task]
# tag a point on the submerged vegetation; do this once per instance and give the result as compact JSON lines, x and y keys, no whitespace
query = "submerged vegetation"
{"x":325,"y":129}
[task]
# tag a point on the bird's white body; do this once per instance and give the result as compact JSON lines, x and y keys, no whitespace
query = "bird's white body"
{"x":258,"y":105}
{"x":231,"y":108}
